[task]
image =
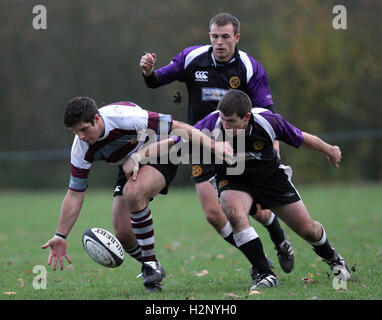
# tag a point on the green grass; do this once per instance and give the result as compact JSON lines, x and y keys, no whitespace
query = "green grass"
{"x":186,"y":245}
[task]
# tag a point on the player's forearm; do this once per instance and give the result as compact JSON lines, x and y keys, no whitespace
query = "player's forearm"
{"x":194,"y":135}
{"x":156,"y":149}
{"x":70,"y":210}
{"x":317,"y":144}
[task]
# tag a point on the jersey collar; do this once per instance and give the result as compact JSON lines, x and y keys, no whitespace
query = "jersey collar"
{"x":218,"y":64}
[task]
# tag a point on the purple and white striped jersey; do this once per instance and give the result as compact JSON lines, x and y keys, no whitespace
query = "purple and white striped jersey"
{"x":126,"y":129}
{"x":264,"y":128}
{"x":207,"y":80}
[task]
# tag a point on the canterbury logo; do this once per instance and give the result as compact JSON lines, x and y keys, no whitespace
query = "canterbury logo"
{"x":201,"y":76}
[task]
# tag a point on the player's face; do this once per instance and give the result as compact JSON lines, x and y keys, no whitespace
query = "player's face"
{"x":234,"y":123}
{"x":88,"y":132}
{"x":223,"y":40}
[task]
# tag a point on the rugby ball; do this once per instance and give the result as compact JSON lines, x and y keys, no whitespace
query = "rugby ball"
{"x":103,"y":247}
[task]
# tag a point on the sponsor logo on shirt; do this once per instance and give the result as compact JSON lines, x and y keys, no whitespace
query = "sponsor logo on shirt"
{"x":234,"y":82}
{"x":212,"y":94}
{"x":201,"y":76}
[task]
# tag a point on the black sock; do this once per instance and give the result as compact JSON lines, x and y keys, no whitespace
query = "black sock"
{"x":253,"y":250}
{"x":275,"y":231}
{"x":227,"y":234}
{"x":250,"y":244}
{"x":322,"y":247}
{"x":230,"y":239}
{"x":324,"y":250}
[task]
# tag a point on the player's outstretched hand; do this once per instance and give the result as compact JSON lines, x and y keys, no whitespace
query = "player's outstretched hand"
{"x":335,"y":156}
{"x":147,"y":63}
{"x":57,"y":252}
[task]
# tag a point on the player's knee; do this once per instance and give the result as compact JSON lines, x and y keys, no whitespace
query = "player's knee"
{"x":308,"y":231}
{"x":214,"y":216}
{"x":134,"y":197}
{"x":262,"y":216}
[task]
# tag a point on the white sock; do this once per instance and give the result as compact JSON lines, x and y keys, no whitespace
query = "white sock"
{"x":270,"y":220}
{"x":245,"y":236}
{"x":226,"y":231}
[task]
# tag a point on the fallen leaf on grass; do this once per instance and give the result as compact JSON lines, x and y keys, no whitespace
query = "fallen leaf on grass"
{"x":71,"y":268}
{"x":220,"y":256}
{"x":308,"y":280}
{"x":21,"y":282}
{"x":9,"y":293}
{"x":202,"y":273}
{"x":172,"y":246}
{"x":232,"y":295}
{"x":252,"y":292}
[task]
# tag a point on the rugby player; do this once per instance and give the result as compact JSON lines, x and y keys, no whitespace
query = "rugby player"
{"x":266,"y":181}
{"x":117,"y":133}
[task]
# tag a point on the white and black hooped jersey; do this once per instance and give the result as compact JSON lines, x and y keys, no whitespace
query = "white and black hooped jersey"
{"x":126,"y":129}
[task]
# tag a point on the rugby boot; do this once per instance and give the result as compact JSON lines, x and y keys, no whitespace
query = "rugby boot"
{"x":285,"y":255}
{"x":153,"y":273}
{"x":338,"y":265}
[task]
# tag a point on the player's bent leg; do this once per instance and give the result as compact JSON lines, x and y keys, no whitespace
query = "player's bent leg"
{"x":148,"y":184}
{"x":236,"y":204}
{"x":210,"y":205}
{"x":123,"y":229}
{"x":283,"y":246}
{"x":262,"y":216}
{"x":297,"y":217}
{"x":138,"y":193}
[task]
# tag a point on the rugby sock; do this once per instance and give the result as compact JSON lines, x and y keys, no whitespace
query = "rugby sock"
{"x":322,"y":247}
{"x":249,"y":243}
{"x":135,"y":251}
{"x":227,"y":234}
{"x":273,"y":226}
{"x":143,"y":228}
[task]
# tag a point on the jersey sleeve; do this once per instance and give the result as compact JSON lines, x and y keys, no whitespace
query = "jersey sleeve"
{"x":174,"y":71}
{"x":258,"y":84}
{"x":160,"y":123}
{"x":283,"y":130}
{"x":80,"y":168}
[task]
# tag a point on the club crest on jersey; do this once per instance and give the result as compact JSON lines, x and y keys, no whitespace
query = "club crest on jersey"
{"x":234,"y":82}
{"x":258,"y":145}
{"x":201,"y":76}
{"x":222,"y":184}
{"x":196,"y":171}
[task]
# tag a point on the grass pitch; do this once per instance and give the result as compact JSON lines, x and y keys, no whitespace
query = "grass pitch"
{"x":199,"y":264}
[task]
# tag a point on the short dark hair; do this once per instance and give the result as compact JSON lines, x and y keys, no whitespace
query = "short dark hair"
{"x":235,"y":101}
{"x":80,"y":109}
{"x":222,"y":19}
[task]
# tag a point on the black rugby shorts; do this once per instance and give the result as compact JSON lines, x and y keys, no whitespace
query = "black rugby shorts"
{"x":274,"y":191}
{"x":167,"y":170}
